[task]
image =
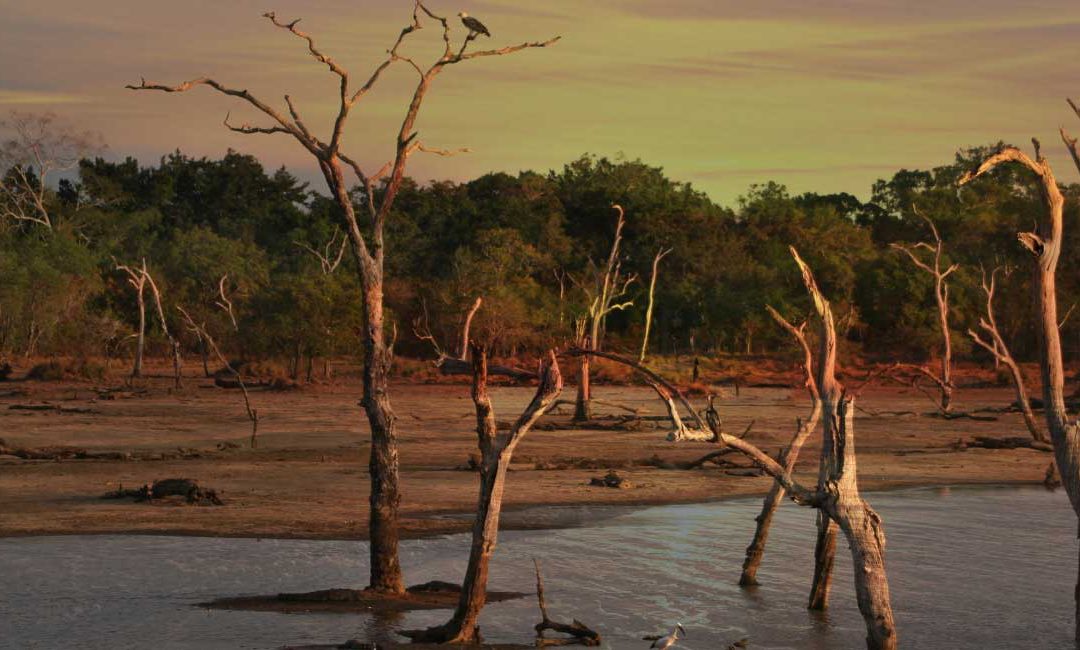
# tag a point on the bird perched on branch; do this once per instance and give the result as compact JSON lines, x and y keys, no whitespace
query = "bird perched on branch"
{"x":473,"y":25}
{"x":665,"y":642}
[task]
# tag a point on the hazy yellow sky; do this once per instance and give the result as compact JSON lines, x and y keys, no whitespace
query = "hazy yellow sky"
{"x":824,"y":96}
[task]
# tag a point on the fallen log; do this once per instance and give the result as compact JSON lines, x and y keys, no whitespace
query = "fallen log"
{"x":1011,"y":442}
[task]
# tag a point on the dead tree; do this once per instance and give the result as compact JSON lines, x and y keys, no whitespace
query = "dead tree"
{"x":837,"y":494}
{"x":1045,"y":246}
{"x":41,"y":145}
{"x":660,"y":254}
{"x":328,"y":260}
{"x":460,"y":365}
{"x":496,"y":451}
{"x":136,"y":277}
{"x":996,"y":346}
{"x":602,"y":292}
{"x":368,"y":249}
{"x":756,"y":550}
{"x":199,"y":330}
{"x":578,"y":633}
{"x":941,"y":297}
{"x":174,"y":344}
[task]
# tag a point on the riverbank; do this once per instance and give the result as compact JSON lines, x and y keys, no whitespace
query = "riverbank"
{"x":308,"y":477}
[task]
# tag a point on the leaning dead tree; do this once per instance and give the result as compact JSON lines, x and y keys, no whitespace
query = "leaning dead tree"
{"x":136,"y":277}
{"x":496,"y":449}
{"x":837,"y":494}
{"x":941,"y":298}
{"x":174,"y":343}
{"x":756,"y":550}
{"x":660,"y":254}
{"x":368,"y":249}
{"x":577,"y":632}
{"x":1000,"y":351}
{"x":603,"y":292}
{"x":1045,"y":246}
{"x":199,"y":330}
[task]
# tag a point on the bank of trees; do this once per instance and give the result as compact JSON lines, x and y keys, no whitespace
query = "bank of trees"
{"x":518,"y":241}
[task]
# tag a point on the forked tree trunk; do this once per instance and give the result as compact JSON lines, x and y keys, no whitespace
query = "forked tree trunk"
{"x":496,"y":452}
{"x":756,"y":551}
{"x":1045,"y":246}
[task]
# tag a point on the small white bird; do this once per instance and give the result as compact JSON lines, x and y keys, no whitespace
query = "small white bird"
{"x":665,"y":642}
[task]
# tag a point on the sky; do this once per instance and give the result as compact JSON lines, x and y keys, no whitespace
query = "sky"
{"x":823,"y":96}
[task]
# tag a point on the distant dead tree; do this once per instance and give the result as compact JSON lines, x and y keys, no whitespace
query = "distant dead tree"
{"x":368,"y":249}
{"x":40,"y":145}
{"x":660,"y":254}
{"x":328,"y":260}
{"x":460,"y":365}
{"x":837,"y":493}
{"x":756,"y":550}
{"x":602,"y":291}
{"x":1045,"y":246}
{"x":199,"y":330}
{"x":174,"y":343}
{"x":941,"y":298}
{"x":496,"y":449}
{"x":996,"y":346}
{"x":136,"y":277}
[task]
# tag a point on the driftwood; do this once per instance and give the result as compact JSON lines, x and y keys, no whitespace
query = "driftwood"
{"x":1012,"y":442}
{"x":579,"y":633}
{"x":187,"y":488}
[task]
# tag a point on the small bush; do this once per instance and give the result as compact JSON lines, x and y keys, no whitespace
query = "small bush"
{"x":58,"y":371}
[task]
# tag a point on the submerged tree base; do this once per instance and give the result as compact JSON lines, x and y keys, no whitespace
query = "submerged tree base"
{"x":430,"y":595}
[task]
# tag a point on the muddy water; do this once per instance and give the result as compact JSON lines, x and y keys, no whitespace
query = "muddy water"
{"x":969,"y":568}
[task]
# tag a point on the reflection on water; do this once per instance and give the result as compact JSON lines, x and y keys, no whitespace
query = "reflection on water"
{"x":968,"y":568}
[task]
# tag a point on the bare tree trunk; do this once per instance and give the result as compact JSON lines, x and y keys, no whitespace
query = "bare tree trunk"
{"x":1045,"y":246}
{"x":205,"y":357}
{"x":466,"y":327}
{"x":583,"y":402}
{"x":496,"y":452}
{"x":824,"y":555}
{"x":649,"y":310}
{"x":756,"y":551}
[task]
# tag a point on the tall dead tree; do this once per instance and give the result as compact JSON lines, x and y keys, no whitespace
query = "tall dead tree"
{"x":369,"y":249}
{"x":136,"y":277}
{"x":941,"y":298}
{"x":756,"y":550}
{"x":660,"y":254}
{"x":496,"y":450}
{"x":996,"y":346}
{"x":837,"y":494}
{"x":602,"y":291}
{"x":1045,"y":246}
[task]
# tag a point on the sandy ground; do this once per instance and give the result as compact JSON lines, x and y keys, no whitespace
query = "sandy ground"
{"x":308,"y":477}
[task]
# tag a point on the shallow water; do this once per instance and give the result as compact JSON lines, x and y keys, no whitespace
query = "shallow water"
{"x":968,"y":568}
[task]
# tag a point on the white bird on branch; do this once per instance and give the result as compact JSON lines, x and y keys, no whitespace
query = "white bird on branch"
{"x":665,"y":642}
{"x":474,"y":26}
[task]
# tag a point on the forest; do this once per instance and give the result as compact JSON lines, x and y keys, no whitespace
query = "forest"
{"x":273,"y":247}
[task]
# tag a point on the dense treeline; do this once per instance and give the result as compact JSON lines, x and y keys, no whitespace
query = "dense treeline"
{"x":522,"y":242}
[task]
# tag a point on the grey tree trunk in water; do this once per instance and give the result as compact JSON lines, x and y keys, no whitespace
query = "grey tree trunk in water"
{"x":496,"y":452}
{"x":379,"y":189}
{"x":756,"y":551}
{"x":1045,"y":247}
{"x":837,"y":494}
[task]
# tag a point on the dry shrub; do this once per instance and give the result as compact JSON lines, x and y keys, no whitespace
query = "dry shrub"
{"x":60,"y":371}
{"x":605,"y":371}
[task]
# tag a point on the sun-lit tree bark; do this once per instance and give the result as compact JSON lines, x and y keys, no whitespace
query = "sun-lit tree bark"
{"x":837,"y":493}
{"x":602,"y":291}
{"x":497,"y":450}
{"x":367,"y":239}
{"x":756,"y":550}
{"x":136,"y":277}
{"x":941,"y":298}
{"x":660,"y":254}
{"x":1045,"y":246}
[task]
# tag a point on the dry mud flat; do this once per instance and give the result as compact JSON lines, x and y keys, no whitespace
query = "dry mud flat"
{"x":308,"y":476}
